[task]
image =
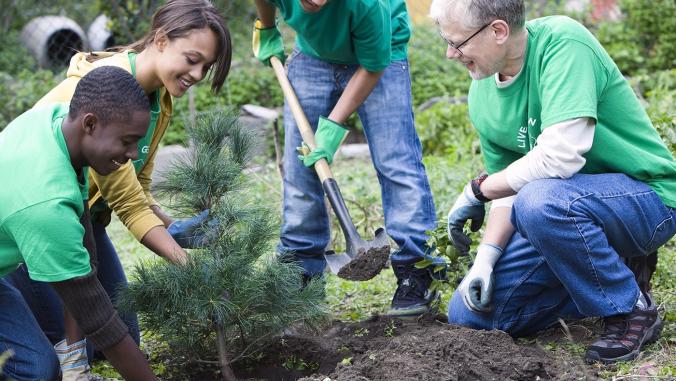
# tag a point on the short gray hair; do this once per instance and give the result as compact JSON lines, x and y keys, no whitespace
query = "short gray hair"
{"x":477,"y":13}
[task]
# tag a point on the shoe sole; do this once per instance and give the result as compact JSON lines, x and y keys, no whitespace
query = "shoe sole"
{"x":409,"y":313}
{"x":652,"y":336}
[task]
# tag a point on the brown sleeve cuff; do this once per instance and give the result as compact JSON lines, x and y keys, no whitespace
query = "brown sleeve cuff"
{"x":112,"y":332}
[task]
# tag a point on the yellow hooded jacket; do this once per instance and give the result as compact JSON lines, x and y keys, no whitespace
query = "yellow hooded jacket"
{"x":126,"y":192}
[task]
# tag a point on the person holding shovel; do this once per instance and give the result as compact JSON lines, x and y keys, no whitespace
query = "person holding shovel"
{"x":188,"y":42}
{"x":351,"y":56}
{"x":578,"y":175}
{"x":44,"y":219}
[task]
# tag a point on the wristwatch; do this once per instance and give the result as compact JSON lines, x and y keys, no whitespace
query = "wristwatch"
{"x":476,"y":187}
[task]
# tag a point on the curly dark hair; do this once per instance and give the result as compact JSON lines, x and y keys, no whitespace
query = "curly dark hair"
{"x":109,"y":92}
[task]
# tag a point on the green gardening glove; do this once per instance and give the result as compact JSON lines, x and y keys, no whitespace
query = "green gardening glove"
{"x":267,"y":42}
{"x":328,"y":137}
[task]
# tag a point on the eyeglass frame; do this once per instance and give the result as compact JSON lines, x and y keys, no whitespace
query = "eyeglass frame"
{"x":457,"y":47}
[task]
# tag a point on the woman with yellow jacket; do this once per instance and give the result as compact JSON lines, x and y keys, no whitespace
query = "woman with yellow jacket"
{"x":188,"y":41}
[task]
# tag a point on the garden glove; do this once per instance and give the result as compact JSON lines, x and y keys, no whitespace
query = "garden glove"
{"x":476,"y":289}
{"x":328,"y":137}
{"x":189,"y":233}
{"x":267,"y":42}
{"x":73,"y":360}
{"x":466,"y":207}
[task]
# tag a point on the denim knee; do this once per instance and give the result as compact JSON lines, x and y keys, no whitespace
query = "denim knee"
{"x":459,"y":314}
{"x":536,"y":203}
{"x":49,"y":366}
{"x":41,"y":365}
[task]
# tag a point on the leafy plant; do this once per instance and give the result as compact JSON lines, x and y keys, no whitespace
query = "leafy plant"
{"x":22,"y":90}
{"x":432,"y":74}
{"x":644,"y":40}
{"x":294,"y":362}
{"x":232,"y":296}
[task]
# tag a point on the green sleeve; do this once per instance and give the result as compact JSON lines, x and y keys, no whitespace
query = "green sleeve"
{"x":49,"y":237}
{"x":496,"y":158}
{"x":571,"y":83}
{"x":371,"y":36}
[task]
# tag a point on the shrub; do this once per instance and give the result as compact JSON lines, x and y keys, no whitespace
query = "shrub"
{"x":21,"y":91}
{"x":432,"y":74}
{"x":645,"y":39}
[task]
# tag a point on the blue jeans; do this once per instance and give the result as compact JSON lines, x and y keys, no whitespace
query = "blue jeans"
{"x":396,"y":152}
{"x":46,"y":304}
{"x":564,"y":260}
{"x":34,"y":357}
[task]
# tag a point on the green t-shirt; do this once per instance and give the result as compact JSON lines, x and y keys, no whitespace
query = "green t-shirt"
{"x":144,"y":143}
{"x":566,"y":75}
{"x":371,"y":33}
{"x":41,"y":199}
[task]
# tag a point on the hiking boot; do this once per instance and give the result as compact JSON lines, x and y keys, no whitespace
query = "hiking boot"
{"x":624,"y":336}
{"x":412,"y":297}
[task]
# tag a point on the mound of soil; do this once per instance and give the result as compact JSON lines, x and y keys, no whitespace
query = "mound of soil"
{"x":392,"y":349}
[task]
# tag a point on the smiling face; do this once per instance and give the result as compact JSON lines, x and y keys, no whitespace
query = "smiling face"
{"x":185,"y":61}
{"x":312,"y":6}
{"x":482,"y":55}
{"x":107,"y":147}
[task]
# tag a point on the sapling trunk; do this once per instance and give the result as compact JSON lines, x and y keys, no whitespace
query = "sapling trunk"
{"x":228,"y":374}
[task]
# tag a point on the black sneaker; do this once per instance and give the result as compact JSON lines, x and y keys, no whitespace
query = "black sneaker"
{"x":412,"y":297}
{"x":624,"y":336}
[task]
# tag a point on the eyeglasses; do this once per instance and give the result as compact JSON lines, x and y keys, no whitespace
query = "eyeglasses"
{"x":460,"y":45}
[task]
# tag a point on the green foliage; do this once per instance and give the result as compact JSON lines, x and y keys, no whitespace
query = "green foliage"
{"x":660,"y":93}
{"x":645,"y":39}
{"x":21,"y":91}
{"x":445,"y":129}
{"x":294,"y":362}
{"x":432,"y":74}
{"x":15,"y":58}
{"x":234,"y":283}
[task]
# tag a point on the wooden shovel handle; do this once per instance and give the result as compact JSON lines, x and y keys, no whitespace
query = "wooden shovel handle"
{"x":321,"y":166}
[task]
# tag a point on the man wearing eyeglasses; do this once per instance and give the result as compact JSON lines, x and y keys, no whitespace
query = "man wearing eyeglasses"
{"x":350,"y":55}
{"x":578,"y":175}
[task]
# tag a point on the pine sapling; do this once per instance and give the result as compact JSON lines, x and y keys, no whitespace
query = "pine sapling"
{"x":234,"y":294}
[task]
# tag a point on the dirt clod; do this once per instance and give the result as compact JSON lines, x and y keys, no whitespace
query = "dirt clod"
{"x":366,"y":264}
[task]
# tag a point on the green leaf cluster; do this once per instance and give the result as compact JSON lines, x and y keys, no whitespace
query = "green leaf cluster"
{"x":235,"y":282}
{"x":20,"y":92}
{"x":644,"y":40}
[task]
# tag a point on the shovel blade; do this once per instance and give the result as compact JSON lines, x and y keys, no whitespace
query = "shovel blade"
{"x":336,"y":261}
{"x":363,"y":260}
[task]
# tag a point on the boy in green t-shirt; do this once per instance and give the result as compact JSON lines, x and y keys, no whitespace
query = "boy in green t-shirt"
{"x":350,"y":55}
{"x":579,"y":177}
{"x":44,"y":221}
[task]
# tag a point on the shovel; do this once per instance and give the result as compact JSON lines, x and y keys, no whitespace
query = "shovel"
{"x":362,"y":259}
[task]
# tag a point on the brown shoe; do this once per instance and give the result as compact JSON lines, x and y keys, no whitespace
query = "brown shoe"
{"x":624,"y":336}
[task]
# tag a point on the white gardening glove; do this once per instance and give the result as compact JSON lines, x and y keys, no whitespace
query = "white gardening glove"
{"x":73,"y":360}
{"x":476,"y":289}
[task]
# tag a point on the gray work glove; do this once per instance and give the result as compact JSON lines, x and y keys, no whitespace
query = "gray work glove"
{"x":466,"y":207}
{"x":476,"y":289}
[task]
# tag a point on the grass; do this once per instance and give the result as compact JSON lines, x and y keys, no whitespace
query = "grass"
{"x":354,"y":301}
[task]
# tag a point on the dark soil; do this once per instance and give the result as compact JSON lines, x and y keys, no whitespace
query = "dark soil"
{"x":393,"y":349}
{"x":366,"y":264}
